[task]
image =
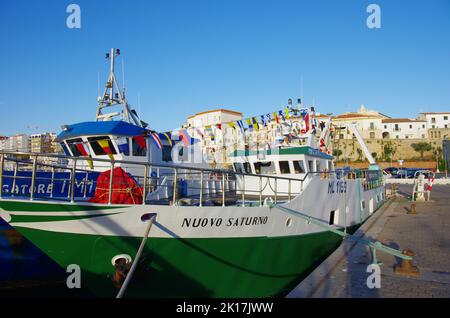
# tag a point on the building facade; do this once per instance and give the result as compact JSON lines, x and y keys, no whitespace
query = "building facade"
{"x":404,"y":128}
{"x":436,"y":119}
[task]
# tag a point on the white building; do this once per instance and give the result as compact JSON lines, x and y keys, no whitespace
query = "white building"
{"x":3,"y":143}
{"x":404,"y":128}
{"x":213,"y":117}
{"x":368,"y":123}
{"x":436,"y":120}
{"x":212,"y":128}
{"x":19,"y":142}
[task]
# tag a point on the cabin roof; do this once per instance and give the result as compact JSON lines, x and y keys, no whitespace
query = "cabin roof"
{"x":306,"y":150}
{"x":119,"y":128}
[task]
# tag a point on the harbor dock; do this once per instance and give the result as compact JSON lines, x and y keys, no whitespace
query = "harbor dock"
{"x":423,"y":228}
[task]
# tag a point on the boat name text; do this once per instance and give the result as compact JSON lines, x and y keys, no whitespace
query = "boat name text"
{"x":217,"y":222}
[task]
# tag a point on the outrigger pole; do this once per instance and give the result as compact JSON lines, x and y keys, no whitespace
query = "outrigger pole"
{"x":113,"y":96}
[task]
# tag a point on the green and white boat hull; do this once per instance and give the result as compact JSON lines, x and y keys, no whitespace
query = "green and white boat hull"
{"x":231,"y":251}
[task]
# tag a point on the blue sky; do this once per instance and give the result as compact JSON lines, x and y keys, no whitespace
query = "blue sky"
{"x":184,"y":57}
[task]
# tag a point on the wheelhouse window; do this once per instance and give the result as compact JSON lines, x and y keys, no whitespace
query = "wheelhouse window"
{"x":101,"y":145}
{"x":299,"y":167}
{"x":139,"y":146}
{"x":265,"y":167}
{"x":311,"y":165}
{"x":238,"y":167}
{"x":284,"y":167}
{"x":166,"y":153}
{"x":247,"y":168}
{"x":123,"y":145}
{"x":330,"y":165}
{"x":72,"y":143}
{"x":64,"y":148}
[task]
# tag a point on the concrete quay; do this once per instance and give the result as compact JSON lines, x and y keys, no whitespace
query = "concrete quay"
{"x":427,"y":233}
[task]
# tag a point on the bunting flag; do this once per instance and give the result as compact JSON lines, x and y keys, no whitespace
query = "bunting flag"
{"x":123,"y":146}
{"x":208,"y":129}
{"x":219,"y":125}
{"x":306,"y":119}
{"x":232,"y":125}
{"x":241,"y":127}
{"x":268,"y":119}
{"x":275,"y":117}
{"x":263,"y":121}
{"x":200,"y":133}
{"x":184,"y":137}
{"x":255,"y":123}
{"x":84,"y":151}
{"x":168,"y":136}
{"x":157,"y":140}
{"x":105,"y":146}
{"x":249,"y":123}
{"x":287,"y":113}
{"x":281,"y":114}
{"x":140,"y":140}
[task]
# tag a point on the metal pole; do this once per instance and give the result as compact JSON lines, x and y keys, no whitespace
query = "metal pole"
{"x":15,"y":176}
{"x":33,"y":177}
{"x":276,"y":190}
{"x":136,"y":259}
{"x":85,"y":184}
{"x":111,"y":175}
{"x":174,"y":186}
{"x":243,"y":190}
{"x":260,"y":191}
{"x":289,"y":191}
{"x":52,"y":181}
{"x":72,"y":180}
{"x":201,"y":188}
{"x":145,"y":184}
{"x":223,"y":189}
{"x":2,"y":163}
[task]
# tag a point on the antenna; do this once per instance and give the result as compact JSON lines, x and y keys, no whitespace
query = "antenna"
{"x":301,"y":87}
{"x":123,"y":73}
{"x":113,"y":96}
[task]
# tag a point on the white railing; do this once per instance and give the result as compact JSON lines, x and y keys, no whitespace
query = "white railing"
{"x":215,"y":185}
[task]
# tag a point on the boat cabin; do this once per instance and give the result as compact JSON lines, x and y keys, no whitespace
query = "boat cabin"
{"x":301,"y":163}
{"x":289,"y":162}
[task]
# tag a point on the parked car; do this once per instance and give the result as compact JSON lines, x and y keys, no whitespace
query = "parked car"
{"x":391,"y":170}
{"x":409,"y":173}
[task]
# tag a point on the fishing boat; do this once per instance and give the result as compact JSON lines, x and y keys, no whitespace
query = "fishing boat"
{"x":254,"y":231}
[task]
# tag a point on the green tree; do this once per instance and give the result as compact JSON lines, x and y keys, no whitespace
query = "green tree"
{"x":337,"y":153}
{"x":360,"y":154}
{"x":388,"y":152}
{"x":421,"y":147}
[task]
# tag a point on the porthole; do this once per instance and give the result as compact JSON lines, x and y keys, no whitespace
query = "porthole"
{"x":288,"y":222}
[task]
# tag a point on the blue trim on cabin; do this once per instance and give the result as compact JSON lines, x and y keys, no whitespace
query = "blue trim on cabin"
{"x":100,"y":128}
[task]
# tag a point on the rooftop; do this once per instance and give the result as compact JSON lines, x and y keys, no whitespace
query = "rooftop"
{"x":436,"y":113}
{"x":217,"y":110}
{"x":401,"y":120}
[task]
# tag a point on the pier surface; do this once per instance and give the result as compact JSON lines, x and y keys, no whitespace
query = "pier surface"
{"x":427,"y":233}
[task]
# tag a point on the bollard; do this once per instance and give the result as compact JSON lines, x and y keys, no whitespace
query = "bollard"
{"x":406,"y":268}
{"x":412,"y":210}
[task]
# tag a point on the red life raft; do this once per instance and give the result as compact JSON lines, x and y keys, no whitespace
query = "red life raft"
{"x":125,"y":190}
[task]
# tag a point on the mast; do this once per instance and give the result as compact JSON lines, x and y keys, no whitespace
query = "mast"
{"x":114,"y":96}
